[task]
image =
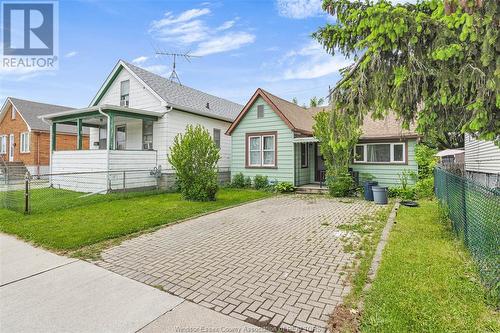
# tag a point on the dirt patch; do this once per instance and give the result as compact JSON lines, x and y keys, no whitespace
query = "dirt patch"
{"x":343,"y":320}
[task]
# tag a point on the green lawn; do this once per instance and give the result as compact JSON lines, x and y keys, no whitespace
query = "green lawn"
{"x":427,"y":281}
{"x":74,"y":228}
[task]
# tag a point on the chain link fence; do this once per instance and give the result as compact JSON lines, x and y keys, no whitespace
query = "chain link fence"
{"x":474,"y":211}
{"x":22,"y":192}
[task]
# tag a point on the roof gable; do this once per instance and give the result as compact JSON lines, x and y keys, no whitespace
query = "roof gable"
{"x":175,"y":95}
{"x":30,"y":112}
{"x":297,"y":118}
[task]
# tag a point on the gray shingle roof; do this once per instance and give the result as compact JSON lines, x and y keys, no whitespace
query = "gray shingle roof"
{"x":30,"y":112}
{"x":180,"y":96}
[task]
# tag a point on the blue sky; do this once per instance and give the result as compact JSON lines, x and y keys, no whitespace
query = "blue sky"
{"x":244,"y":45}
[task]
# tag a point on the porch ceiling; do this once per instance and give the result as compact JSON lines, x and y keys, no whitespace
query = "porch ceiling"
{"x":93,"y":112}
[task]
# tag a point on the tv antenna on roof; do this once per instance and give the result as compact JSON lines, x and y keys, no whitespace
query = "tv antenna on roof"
{"x":173,"y":76}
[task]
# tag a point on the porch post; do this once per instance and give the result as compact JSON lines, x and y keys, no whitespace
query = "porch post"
{"x":111,"y":131}
{"x":53,"y":138}
{"x":79,"y":135}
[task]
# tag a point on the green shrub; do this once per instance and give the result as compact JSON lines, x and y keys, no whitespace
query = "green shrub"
{"x":425,"y":188}
{"x":238,"y":181}
{"x":194,"y":157}
{"x":260,"y":182}
{"x":404,"y":193}
{"x":284,"y":187}
{"x":341,"y":185}
{"x":426,"y":161}
{"x":248,"y":182}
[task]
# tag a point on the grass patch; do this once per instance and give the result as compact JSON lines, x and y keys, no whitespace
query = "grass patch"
{"x":93,"y":223}
{"x":367,"y":231}
{"x":427,"y":282}
{"x":43,"y":200}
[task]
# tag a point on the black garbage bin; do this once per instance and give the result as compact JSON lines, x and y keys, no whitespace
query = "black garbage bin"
{"x":368,"y":190}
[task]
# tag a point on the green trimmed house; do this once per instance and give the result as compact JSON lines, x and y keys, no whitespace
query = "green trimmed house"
{"x":274,"y":137}
{"x":132,"y":122}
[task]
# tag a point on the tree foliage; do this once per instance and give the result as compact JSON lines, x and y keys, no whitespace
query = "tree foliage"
{"x":194,"y":157}
{"x":436,"y":62}
{"x":337,"y":133}
{"x":315,"y":101}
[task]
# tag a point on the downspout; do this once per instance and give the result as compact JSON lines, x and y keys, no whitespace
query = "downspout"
{"x":38,"y":153}
{"x":107,"y":146}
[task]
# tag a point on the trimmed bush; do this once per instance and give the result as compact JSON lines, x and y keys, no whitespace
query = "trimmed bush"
{"x":238,"y":181}
{"x":341,"y":185}
{"x":248,"y":182}
{"x":260,"y":182}
{"x":194,"y":157}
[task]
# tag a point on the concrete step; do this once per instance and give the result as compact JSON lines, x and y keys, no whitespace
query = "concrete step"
{"x":311,"y":190}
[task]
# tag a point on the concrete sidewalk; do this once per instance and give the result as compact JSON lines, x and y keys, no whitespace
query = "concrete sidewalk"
{"x":44,"y":292}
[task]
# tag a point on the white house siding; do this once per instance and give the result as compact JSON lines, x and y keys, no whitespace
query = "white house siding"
{"x":141,"y":161}
{"x":482,"y":161}
{"x":177,"y":121}
{"x":481,"y":156}
{"x":139,"y":98}
{"x":66,"y":163}
{"x":86,"y":170}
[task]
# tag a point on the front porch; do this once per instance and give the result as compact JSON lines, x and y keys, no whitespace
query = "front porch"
{"x":120,"y":139}
{"x":309,"y":166}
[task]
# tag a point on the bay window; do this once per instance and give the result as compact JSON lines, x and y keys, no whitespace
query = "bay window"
{"x":261,"y":150}
{"x":380,"y":153}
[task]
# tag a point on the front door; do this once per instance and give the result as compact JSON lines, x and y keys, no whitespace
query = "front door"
{"x":319,"y":174}
{"x":11,"y":148}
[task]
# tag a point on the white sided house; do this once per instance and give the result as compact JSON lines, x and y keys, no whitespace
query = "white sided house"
{"x":482,"y":161}
{"x":133,"y":121}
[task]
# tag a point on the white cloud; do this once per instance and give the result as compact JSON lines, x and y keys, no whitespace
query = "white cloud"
{"x":183,"y":17}
{"x":228,"y":42}
{"x":70,"y":54}
{"x":309,"y":62}
{"x":188,"y":29}
{"x":299,"y":9}
{"x":226,"y":25}
{"x":140,"y":60}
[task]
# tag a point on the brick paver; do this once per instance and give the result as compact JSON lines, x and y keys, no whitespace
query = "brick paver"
{"x":278,"y":262}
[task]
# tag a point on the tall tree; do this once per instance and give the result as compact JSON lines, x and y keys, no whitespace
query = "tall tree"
{"x":315,"y":101}
{"x":435,"y":61}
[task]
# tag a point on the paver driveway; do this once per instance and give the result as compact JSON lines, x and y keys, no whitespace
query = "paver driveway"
{"x":278,"y":262}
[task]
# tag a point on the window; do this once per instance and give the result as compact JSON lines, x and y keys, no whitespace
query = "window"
{"x":304,"y":155}
{"x":262,"y":150}
{"x":3,"y":144}
{"x":121,"y":137}
{"x":25,"y":142}
{"x":217,"y":137}
{"x":260,"y":111}
{"x":398,"y":154}
{"x":147,"y":134}
{"x":13,"y":113}
{"x":103,"y":135}
{"x":380,"y":153}
{"x":359,"y":153}
{"x":124,"y":93}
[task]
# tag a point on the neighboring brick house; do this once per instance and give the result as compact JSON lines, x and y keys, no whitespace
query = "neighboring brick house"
{"x":25,"y":138}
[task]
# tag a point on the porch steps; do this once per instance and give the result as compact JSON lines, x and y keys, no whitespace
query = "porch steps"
{"x":311,"y":189}
{"x":13,"y":171}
